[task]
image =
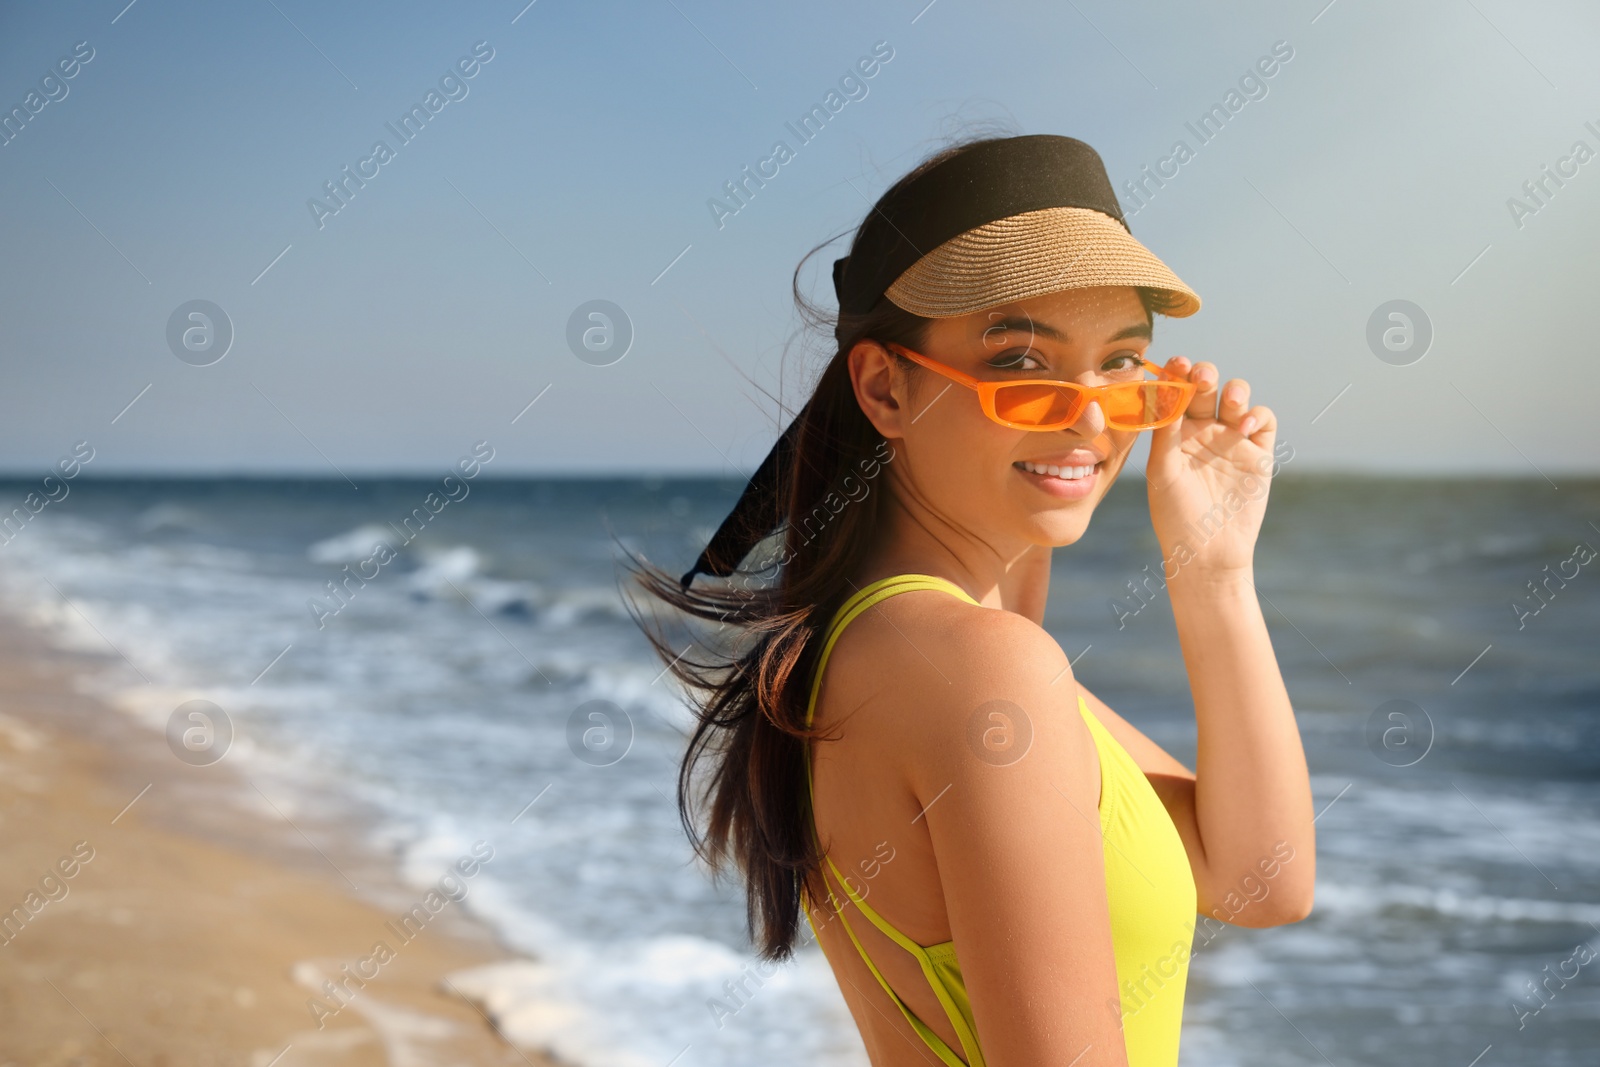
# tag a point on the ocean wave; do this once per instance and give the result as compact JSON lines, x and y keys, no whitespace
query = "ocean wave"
{"x":680,"y":991}
{"x":442,"y":572}
{"x":352,"y":546}
{"x":637,"y":685}
{"x":574,"y":604}
{"x":1345,"y":900}
{"x":492,"y":596}
{"x":1488,"y":548}
{"x":458,"y":572}
{"x":174,"y":517}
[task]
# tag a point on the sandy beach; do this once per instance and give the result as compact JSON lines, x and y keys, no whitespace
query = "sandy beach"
{"x":150,"y":919}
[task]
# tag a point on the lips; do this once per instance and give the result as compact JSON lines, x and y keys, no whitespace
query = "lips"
{"x":1065,"y":472}
{"x":1070,"y":475}
{"x":1070,"y":466}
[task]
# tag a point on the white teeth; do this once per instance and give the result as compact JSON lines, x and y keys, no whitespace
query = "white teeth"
{"x":1069,"y":474}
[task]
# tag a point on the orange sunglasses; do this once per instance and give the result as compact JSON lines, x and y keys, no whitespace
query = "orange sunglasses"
{"x":1051,"y":404}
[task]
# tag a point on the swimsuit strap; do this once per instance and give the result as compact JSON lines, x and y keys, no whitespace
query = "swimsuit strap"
{"x":862,"y":600}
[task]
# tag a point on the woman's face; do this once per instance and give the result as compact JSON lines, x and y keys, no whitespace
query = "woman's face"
{"x":1010,"y":489}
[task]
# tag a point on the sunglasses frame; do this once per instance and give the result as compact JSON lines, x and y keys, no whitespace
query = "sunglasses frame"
{"x":986,"y":390}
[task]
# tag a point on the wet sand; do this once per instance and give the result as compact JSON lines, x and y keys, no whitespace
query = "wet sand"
{"x":147,"y":916}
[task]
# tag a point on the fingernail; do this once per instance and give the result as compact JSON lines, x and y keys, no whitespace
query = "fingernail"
{"x":1247,"y":427}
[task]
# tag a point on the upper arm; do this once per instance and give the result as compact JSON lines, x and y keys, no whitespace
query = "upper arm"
{"x":1013,"y":776}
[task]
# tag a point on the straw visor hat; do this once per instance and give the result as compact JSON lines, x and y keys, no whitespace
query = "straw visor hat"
{"x":1004,"y":220}
{"x":1031,"y":254}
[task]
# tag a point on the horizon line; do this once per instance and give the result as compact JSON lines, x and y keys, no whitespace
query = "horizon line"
{"x":24,"y":475}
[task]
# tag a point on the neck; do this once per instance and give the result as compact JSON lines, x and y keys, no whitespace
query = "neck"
{"x":916,"y":540}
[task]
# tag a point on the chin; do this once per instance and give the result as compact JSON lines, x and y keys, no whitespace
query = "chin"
{"x":1061,"y":527}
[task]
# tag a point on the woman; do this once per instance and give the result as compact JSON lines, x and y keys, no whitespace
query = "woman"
{"x":886,"y":715}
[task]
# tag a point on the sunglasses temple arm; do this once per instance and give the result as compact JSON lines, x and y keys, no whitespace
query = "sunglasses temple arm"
{"x":1159,"y":370}
{"x":934,"y":365}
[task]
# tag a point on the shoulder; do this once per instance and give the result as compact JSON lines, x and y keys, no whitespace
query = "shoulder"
{"x":958,"y":684}
{"x":936,"y":617}
{"x":931,"y":637}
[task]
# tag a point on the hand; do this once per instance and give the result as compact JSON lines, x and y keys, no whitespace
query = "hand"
{"x":1208,"y":475}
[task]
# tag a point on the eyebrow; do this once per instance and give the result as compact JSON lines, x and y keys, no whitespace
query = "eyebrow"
{"x":1023,"y":324}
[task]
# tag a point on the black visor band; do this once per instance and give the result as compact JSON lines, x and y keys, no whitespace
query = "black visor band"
{"x":759,"y":511}
{"x":990,"y":180}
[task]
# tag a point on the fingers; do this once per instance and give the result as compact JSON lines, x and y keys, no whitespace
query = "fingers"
{"x":1229,"y":404}
{"x":1204,"y":403}
{"x":1235,"y":399}
{"x":1257,"y":421}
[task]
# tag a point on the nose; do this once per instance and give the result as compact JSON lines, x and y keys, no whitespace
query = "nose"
{"x":1092,"y":422}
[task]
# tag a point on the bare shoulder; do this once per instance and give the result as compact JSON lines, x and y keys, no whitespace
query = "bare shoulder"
{"x":950,"y":675}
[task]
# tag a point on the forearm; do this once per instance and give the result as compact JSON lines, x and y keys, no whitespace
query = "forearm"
{"x":1252,"y":790}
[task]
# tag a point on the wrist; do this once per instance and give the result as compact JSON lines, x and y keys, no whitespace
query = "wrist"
{"x":1212,"y":583}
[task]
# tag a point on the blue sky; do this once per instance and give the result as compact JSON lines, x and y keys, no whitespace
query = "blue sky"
{"x":1374,"y":165}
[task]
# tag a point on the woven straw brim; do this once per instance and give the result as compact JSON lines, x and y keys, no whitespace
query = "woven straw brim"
{"x":1029,"y":255}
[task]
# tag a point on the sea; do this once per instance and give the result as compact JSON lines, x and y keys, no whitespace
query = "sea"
{"x":1439,"y":638}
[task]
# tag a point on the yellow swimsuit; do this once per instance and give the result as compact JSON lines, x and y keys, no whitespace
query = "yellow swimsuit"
{"x":1149,"y":887}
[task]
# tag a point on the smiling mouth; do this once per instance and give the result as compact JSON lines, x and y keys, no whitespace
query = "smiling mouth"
{"x":1065,"y":474}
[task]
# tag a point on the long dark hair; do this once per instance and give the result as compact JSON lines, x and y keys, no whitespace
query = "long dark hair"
{"x":750,"y":682}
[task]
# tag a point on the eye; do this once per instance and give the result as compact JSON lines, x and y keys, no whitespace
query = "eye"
{"x":1125,"y":364}
{"x":1020,"y":359}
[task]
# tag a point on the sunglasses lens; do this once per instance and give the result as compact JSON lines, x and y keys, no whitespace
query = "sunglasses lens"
{"x":1138,"y":405}
{"x":1132,"y":406}
{"x":1038,"y":405}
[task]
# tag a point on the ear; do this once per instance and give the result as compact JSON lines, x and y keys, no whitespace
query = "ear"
{"x":879,"y":383}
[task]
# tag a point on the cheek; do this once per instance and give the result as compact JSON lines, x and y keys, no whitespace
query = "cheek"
{"x":961,"y":454}
{"x":987,"y":448}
